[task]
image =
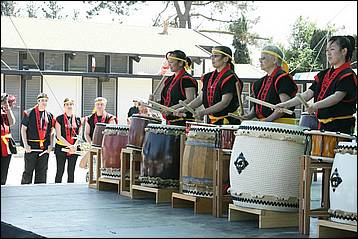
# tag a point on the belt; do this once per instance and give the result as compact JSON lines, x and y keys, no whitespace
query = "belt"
{"x":59,"y":142}
{"x":214,"y":119}
{"x":5,"y":137}
{"x":286,"y":121}
{"x":325,"y":121}
{"x":41,"y":141}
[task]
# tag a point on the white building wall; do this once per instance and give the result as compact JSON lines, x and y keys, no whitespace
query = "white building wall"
{"x":60,"y":87}
{"x":128,"y":90}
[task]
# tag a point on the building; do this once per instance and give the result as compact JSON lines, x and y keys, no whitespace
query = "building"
{"x":84,"y":60}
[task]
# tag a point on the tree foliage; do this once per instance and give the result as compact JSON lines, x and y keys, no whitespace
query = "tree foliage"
{"x":119,"y":8}
{"x":8,"y":8}
{"x":52,"y":10}
{"x":307,"y":46}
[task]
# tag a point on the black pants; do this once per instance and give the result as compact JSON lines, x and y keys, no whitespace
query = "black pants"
{"x":71,"y":164}
{"x":39,"y":164}
{"x":5,"y":161}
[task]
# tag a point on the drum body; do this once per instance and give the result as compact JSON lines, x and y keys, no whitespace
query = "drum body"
{"x":98,"y":134}
{"x":264,"y":165}
{"x":343,"y":184}
{"x":188,"y":125}
{"x":115,"y":138}
{"x":321,"y":144}
{"x":161,"y":156}
{"x":309,"y":120}
{"x":137,"y":129}
{"x":197,"y":166}
{"x":227,"y":136}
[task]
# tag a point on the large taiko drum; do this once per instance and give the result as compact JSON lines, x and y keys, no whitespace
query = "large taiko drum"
{"x":161,"y":156}
{"x":309,"y":120}
{"x":115,"y":138}
{"x":264,"y":165}
{"x":343,"y":184}
{"x":197,"y":165}
{"x":98,"y":134}
{"x":137,"y":129}
{"x":227,"y":136}
{"x":321,"y":144}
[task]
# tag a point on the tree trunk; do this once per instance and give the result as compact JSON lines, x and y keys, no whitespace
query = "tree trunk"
{"x":184,"y":18}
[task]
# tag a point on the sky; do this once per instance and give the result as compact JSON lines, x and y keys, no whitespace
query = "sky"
{"x":276,"y":18}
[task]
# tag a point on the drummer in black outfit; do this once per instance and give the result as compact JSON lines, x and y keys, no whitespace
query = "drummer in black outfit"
{"x":334,"y":90}
{"x":180,"y":86}
{"x":219,"y":93}
{"x":99,"y":116}
{"x":67,"y":127}
{"x":276,"y":87}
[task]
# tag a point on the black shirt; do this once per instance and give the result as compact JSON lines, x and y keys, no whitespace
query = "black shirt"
{"x":226,"y":84}
{"x":342,"y":79}
{"x":269,"y":88}
{"x":73,"y":130}
{"x":29,"y":120}
{"x":133,"y":110}
{"x":173,"y":92}
{"x":92,"y":124}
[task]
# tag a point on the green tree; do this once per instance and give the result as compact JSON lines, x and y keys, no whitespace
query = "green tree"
{"x":8,"y":8}
{"x":119,"y":8}
{"x":300,"y":54}
{"x":240,"y":40}
{"x":32,"y":9}
{"x":52,"y":10}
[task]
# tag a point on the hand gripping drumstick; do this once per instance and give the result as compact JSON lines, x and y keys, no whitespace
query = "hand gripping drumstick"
{"x":264,"y":103}
{"x":39,"y":150}
{"x":182,"y":103}
{"x":299,"y":96}
{"x":161,"y":107}
{"x":67,"y":150}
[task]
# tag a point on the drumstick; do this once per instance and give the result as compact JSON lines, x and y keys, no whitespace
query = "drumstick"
{"x":162,"y":107}
{"x":160,"y":83}
{"x":241,"y":111}
{"x":37,"y":150}
{"x":44,"y":152}
{"x":182,"y":103}
{"x":235,"y":116}
{"x":264,"y":103}
{"x":299,"y":96}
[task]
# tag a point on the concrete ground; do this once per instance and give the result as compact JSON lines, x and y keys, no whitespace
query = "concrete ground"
{"x":74,"y":210}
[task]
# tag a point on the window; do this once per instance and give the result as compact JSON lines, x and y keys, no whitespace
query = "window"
{"x":77,"y":62}
{"x":119,"y":63}
{"x":28,"y":62}
{"x":98,"y":63}
{"x":9,"y":58}
{"x":54,"y":61}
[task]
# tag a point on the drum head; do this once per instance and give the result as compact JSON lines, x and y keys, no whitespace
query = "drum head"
{"x":117,"y":127}
{"x":147,"y":118}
